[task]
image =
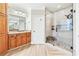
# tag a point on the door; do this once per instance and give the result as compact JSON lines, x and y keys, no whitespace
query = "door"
{"x":19,"y":40}
{"x":24,"y":38}
{"x":2,"y":24}
{"x":38,"y":29}
{"x":64,"y":29}
{"x":28,"y":37}
{"x":2,"y":8}
{"x":3,"y":29}
{"x":3,"y":43}
{"x":12,"y":41}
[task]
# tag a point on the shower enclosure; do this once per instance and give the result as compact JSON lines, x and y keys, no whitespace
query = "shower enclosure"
{"x":59,"y":26}
{"x":65,"y":32}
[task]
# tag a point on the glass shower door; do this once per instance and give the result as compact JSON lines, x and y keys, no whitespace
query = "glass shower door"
{"x":64,"y":34}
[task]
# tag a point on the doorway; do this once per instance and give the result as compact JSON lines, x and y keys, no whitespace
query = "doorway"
{"x":38,"y":26}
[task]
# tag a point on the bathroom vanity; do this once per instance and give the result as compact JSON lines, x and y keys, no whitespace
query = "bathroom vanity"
{"x":19,"y":33}
{"x":19,"y":39}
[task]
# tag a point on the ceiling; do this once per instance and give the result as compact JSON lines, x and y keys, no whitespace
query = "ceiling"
{"x":52,"y":7}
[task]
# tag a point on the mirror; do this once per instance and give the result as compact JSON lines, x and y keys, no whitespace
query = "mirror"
{"x":16,"y":20}
{"x":22,"y":24}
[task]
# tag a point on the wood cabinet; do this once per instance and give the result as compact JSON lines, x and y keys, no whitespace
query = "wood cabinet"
{"x":19,"y":40}
{"x":3,"y":43}
{"x":24,"y":38}
{"x":3,"y":8}
{"x":12,"y":41}
{"x":28,"y":37}
{"x":3,"y":29}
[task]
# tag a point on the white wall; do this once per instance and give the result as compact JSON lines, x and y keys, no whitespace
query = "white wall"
{"x":49,"y":18}
{"x":76,"y":29}
{"x":28,"y":19}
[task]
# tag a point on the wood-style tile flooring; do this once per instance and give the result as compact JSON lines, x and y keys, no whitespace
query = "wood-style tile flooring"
{"x":39,"y":50}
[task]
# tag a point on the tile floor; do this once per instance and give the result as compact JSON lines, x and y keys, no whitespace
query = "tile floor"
{"x":39,"y":50}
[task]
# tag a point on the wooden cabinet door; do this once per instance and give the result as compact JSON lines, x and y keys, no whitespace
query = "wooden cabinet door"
{"x":3,"y":24}
{"x":24,"y":38}
{"x":3,"y":43}
{"x":3,"y":8}
{"x":19,"y":40}
{"x":3,"y":29}
{"x":28,"y":37}
{"x":12,"y":41}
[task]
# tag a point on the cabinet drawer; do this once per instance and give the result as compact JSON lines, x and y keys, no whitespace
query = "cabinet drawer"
{"x":12,"y":36}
